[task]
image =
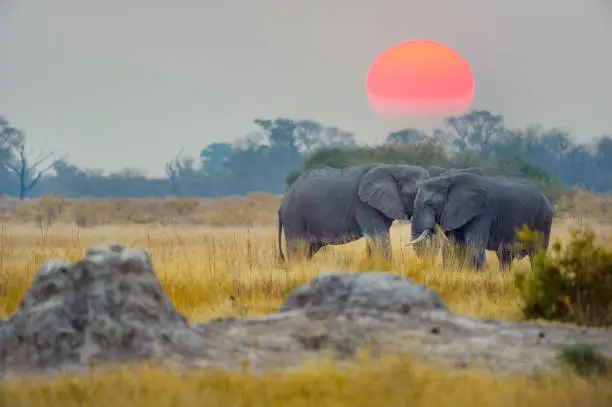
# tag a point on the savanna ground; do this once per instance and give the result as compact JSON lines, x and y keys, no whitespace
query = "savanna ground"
{"x":218,"y":258}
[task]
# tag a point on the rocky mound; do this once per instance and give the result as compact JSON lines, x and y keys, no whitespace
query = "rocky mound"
{"x":110,"y":306}
{"x":330,"y":295}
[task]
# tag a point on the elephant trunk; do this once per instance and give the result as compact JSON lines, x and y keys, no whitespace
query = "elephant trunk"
{"x":423,"y":220}
{"x":423,"y":224}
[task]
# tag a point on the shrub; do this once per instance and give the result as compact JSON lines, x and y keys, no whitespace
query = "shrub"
{"x":584,"y":360}
{"x":571,"y":284}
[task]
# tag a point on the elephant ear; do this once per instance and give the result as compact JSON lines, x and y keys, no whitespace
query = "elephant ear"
{"x":464,"y":202}
{"x":380,"y":190}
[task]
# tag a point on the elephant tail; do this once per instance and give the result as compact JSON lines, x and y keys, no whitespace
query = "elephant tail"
{"x":280,"y":232}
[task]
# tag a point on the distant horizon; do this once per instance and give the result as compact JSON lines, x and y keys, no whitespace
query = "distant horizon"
{"x":118,"y":85}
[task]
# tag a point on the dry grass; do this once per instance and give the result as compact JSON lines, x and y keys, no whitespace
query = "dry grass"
{"x":201,"y":268}
{"x":254,"y":209}
{"x":586,"y":204}
{"x":390,"y":382}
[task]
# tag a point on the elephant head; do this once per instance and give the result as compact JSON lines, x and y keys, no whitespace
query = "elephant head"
{"x":450,"y":200}
{"x":391,"y":189}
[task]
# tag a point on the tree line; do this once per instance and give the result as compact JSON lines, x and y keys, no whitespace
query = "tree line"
{"x":269,"y":159}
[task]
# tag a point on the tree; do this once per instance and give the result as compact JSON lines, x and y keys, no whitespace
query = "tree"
{"x":183,"y":175}
{"x":28,"y":171}
{"x":405,"y":136}
{"x":6,"y":154}
{"x":310,"y":135}
{"x":215,"y":155}
{"x":476,"y":129}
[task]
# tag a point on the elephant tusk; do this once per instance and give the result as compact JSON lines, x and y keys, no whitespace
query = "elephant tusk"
{"x":422,"y":236}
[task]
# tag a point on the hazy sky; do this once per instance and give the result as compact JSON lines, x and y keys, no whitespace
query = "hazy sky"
{"x":118,"y":83}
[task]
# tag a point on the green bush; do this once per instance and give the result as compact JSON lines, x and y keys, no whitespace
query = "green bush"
{"x":571,"y":284}
{"x":584,"y":360}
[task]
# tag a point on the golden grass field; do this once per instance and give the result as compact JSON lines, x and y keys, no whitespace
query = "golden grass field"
{"x":202,"y":267}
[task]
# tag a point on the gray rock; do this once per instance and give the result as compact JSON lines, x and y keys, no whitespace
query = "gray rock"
{"x":332,"y":294}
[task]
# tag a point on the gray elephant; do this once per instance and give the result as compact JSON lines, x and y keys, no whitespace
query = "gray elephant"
{"x":431,"y":244}
{"x":328,"y":206}
{"x":481,"y":212}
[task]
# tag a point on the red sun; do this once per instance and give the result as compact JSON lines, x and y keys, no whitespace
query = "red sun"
{"x":420,"y":78}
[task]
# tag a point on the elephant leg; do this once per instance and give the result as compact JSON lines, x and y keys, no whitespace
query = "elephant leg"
{"x":481,"y":258}
{"x":453,"y":250}
{"x":420,"y":249}
{"x":505,"y":256}
{"x":299,"y":248}
{"x":370,"y":249}
{"x":447,"y":254}
{"x":292,"y":249}
{"x":462,"y":256}
{"x":476,"y":237}
{"x":375,"y":228}
{"x":314,"y":248}
{"x":474,"y":257}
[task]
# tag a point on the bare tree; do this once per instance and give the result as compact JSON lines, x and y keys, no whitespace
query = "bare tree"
{"x":182,"y":175}
{"x":28,"y":171}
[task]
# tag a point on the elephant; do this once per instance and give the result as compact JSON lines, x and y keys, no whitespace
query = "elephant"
{"x":329,"y":206}
{"x":481,"y":212}
{"x":436,"y":244}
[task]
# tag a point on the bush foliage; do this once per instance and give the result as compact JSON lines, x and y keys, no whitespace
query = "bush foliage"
{"x":573,"y":283}
{"x":426,"y":155}
{"x":584,"y":360}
